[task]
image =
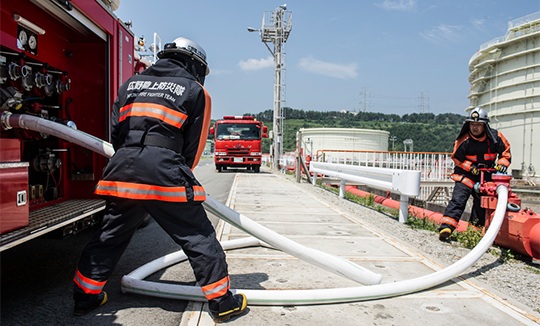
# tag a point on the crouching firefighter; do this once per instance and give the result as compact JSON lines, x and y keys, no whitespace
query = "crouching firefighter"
{"x":477,"y":146}
{"x":160,"y":123}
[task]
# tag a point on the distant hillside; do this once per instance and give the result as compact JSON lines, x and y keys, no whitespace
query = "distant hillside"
{"x":429,"y":132}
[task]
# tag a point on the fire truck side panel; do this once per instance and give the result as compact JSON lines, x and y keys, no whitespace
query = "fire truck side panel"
{"x":96,"y":13}
{"x":13,"y":194}
{"x":69,"y":73}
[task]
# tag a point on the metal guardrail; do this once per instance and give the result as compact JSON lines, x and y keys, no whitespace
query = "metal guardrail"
{"x":404,"y":182}
{"x":433,"y":166}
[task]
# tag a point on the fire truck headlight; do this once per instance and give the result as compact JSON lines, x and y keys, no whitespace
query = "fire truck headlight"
{"x":255,"y":154}
{"x":220,"y":153}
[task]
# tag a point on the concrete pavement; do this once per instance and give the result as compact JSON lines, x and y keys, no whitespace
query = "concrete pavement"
{"x":285,"y":208}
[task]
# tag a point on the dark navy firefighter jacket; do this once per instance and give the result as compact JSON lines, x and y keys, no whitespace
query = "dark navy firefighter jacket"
{"x":488,"y":150}
{"x":160,"y":123}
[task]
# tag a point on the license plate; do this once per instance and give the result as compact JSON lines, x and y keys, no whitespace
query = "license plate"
{"x":238,"y":160}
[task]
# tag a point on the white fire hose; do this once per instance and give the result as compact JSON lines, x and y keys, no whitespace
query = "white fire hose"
{"x":134,"y":282}
{"x":25,"y":121}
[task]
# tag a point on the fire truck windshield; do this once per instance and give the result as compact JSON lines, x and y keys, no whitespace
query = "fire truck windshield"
{"x":238,"y":131}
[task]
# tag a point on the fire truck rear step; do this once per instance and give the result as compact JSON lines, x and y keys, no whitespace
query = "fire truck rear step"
{"x":71,"y":215}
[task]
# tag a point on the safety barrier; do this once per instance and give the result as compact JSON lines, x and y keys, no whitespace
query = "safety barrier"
{"x":406,"y":183}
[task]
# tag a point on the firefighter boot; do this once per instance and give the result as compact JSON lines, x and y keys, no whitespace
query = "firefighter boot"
{"x":83,"y":307}
{"x":233,"y":306}
{"x":444,"y":235}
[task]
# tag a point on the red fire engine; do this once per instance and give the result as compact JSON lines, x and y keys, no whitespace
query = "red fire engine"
{"x":60,"y":61}
{"x":237,"y":142}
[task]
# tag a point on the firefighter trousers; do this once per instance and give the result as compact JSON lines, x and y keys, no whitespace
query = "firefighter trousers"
{"x":457,"y":205}
{"x":186,"y":223}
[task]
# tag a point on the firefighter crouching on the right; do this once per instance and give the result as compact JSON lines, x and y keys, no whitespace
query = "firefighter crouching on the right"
{"x":477,"y":146}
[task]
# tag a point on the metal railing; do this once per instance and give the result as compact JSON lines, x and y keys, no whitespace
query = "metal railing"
{"x":435,"y":168}
{"x":404,"y":182}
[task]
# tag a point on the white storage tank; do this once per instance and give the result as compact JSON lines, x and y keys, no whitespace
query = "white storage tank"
{"x":505,"y":81}
{"x":314,"y":139}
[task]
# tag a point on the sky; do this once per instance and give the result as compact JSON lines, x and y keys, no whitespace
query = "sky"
{"x":388,"y":56}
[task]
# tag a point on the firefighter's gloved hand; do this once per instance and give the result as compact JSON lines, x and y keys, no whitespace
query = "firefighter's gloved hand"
{"x":475,"y":170}
{"x":501,"y":168}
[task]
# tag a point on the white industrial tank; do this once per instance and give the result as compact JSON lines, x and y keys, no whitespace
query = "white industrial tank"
{"x":349,"y":139}
{"x":505,"y":81}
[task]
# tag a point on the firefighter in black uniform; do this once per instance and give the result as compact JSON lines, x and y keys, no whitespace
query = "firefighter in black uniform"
{"x":477,"y":146}
{"x":160,"y":123}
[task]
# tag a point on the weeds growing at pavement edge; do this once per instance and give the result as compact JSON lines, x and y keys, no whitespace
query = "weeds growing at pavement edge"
{"x":534,"y":270}
{"x":421,"y":223}
{"x":468,"y":238}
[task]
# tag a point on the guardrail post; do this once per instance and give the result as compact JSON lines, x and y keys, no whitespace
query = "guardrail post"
{"x":403,"y":208}
{"x":342,"y":189}
{"x":314,"y":180}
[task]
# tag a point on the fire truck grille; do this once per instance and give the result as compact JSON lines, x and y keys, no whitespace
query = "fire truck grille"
{"x":238,"y":151}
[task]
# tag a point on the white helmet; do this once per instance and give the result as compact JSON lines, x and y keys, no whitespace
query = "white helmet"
{"x":478,"y":115}
{"x":188,"y":47}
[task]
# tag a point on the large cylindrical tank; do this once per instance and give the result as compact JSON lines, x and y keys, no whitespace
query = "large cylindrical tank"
{"x":505,"y":81}
{"x":314,"y":139}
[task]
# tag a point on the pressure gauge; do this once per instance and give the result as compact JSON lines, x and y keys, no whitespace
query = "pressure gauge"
{"x":32,"y":42}
{"x":23,"y":37}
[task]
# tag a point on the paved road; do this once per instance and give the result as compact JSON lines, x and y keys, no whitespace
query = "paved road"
{"x":36,"y":277}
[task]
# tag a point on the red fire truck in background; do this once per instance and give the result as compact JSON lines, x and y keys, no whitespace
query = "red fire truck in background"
{"x":237,"y":142}
{"x":61,"y":61}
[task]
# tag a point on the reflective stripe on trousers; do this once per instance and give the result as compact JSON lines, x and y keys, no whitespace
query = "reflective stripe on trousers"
{"x":88,"y":285}
{"x":216,"y":289}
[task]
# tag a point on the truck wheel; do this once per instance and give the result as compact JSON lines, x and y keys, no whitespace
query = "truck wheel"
{"x":257,"y":168}
{"x":224,"y":167}
{"x":218,"y":168}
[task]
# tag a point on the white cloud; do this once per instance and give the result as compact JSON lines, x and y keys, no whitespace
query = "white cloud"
{"x":443,"y":33}
{"x":401,"y":5}
{"x":254,"y":64}
{"x":478,"y":22}
{"x":342,"y":71}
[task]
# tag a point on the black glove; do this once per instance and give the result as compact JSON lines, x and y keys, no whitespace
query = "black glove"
{"x":474,"y":170}
{"x":501,"y":168}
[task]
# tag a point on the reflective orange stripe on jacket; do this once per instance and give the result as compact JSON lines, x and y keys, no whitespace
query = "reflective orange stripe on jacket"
{"x":490,"y":156}
{"x":460,"y":178}
{"x":88,"y":285}
{"x":471,"y":158}
{"x":504,"y":162}
{"x":140,"y":191}
{"x":216,"y":289}
{"x":152,"y":110}
{"x":199,"y":194}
